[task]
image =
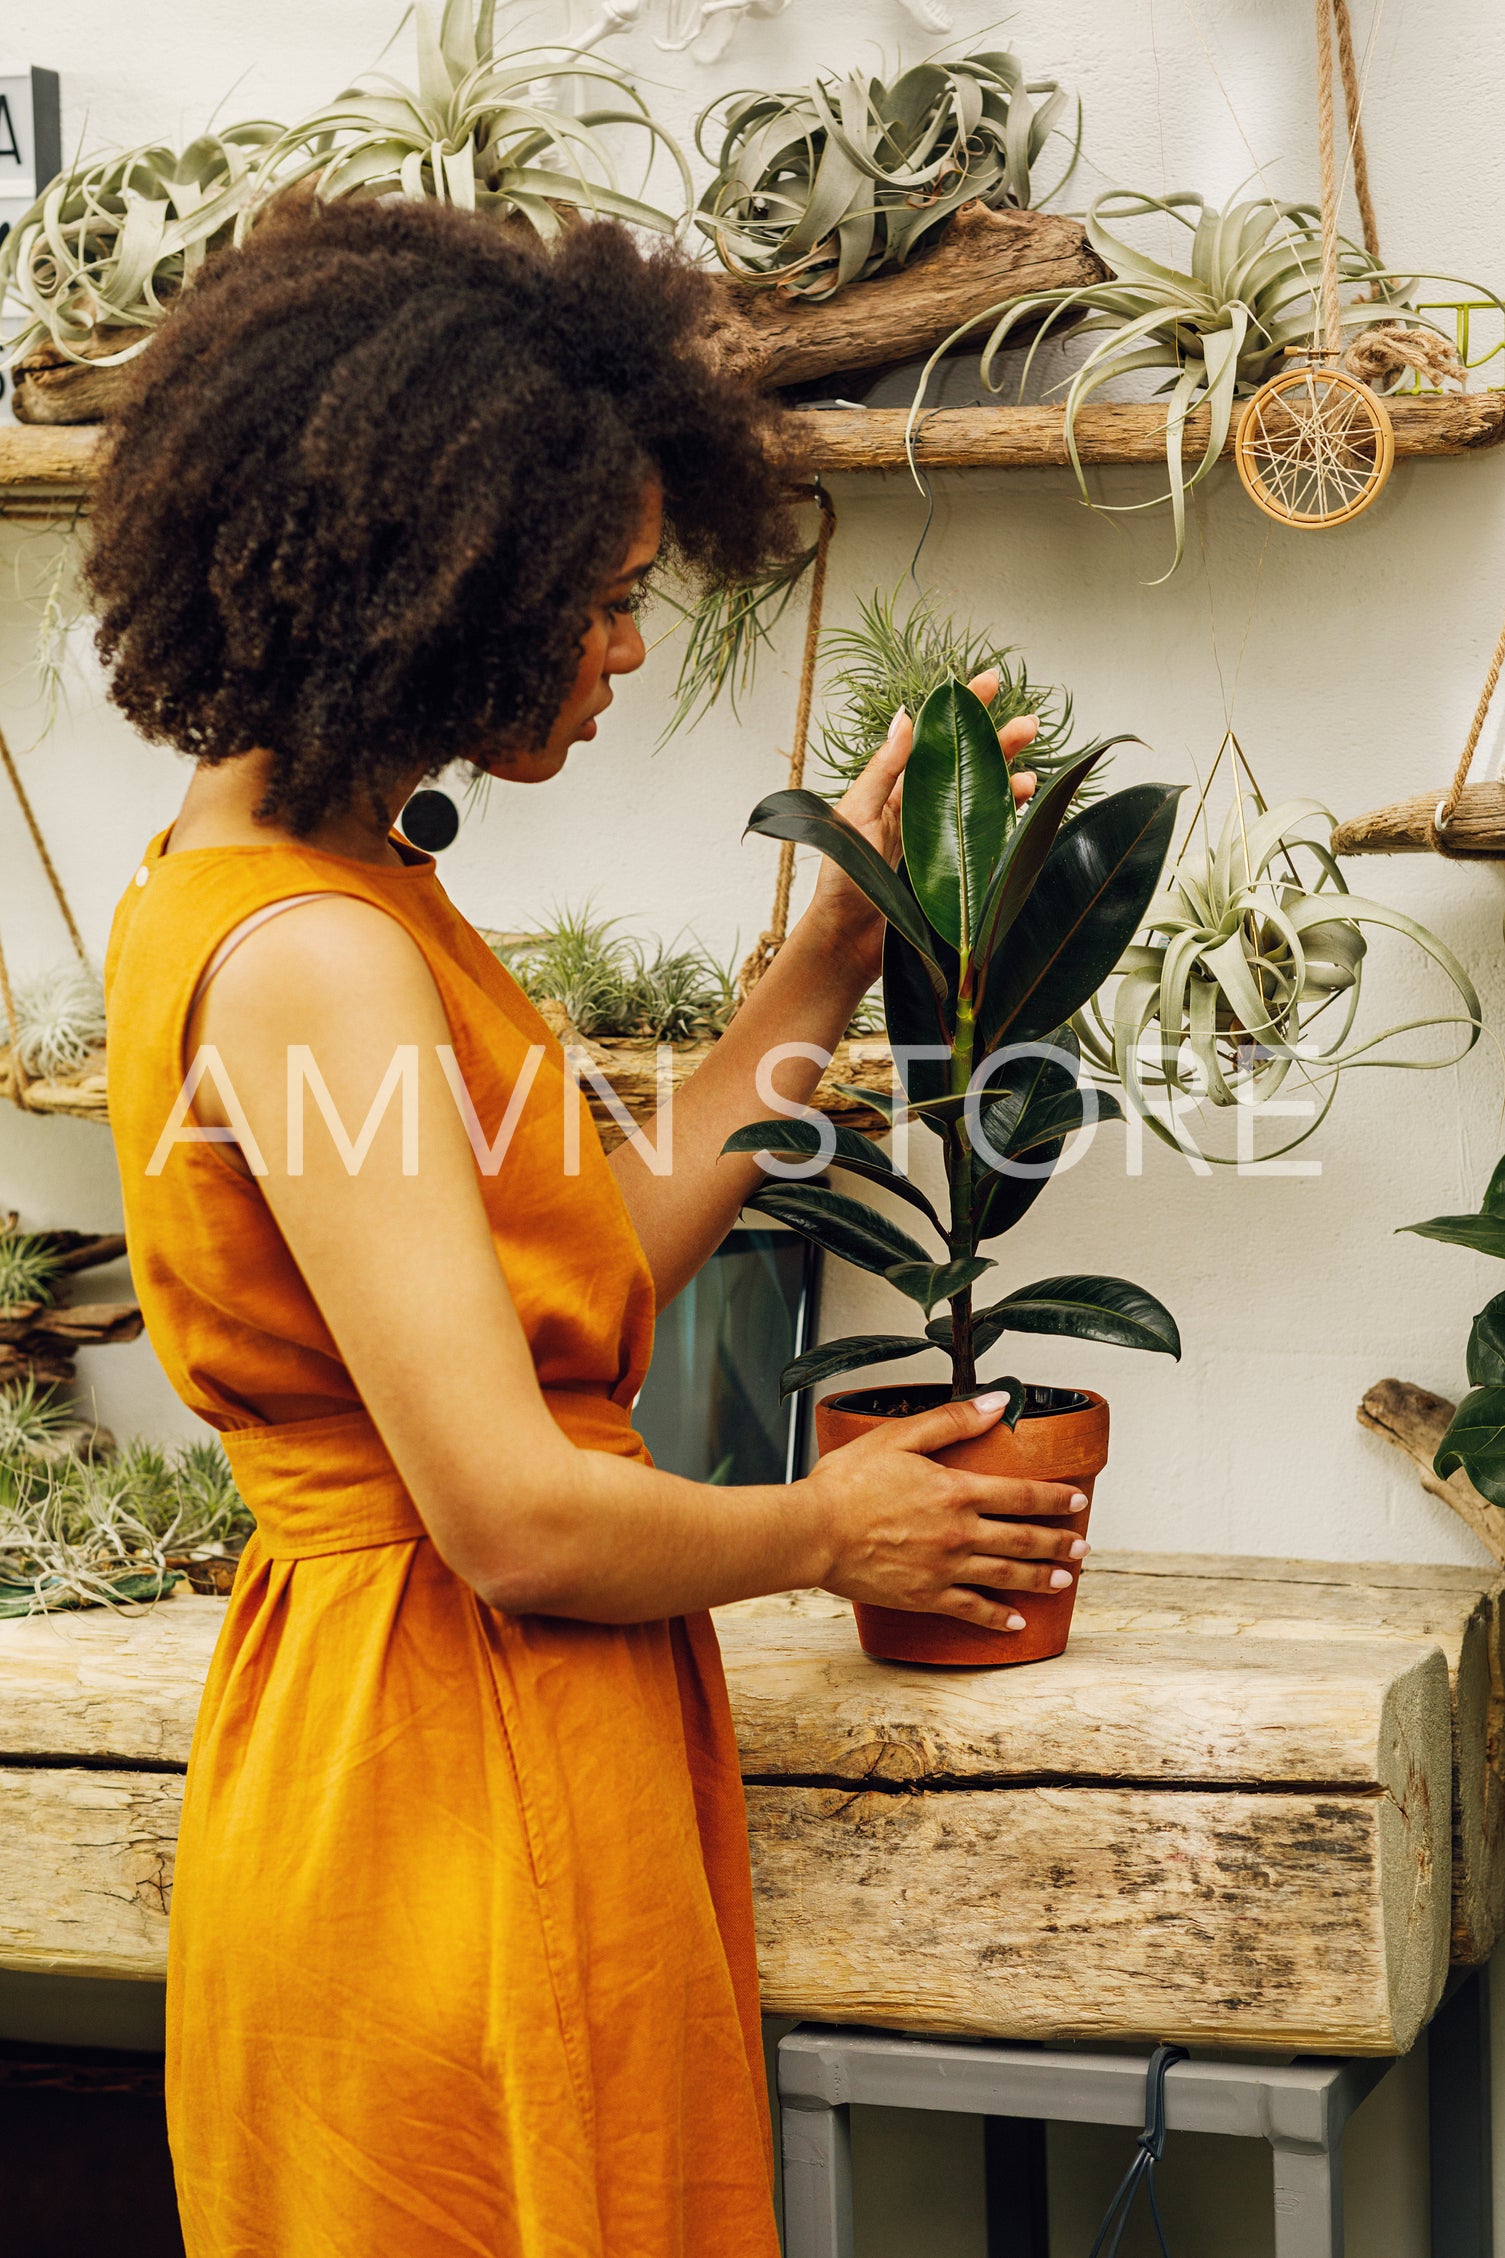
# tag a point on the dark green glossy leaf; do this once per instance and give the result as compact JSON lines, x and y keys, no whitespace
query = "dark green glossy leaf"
{"x":1051,"y":1121}
{"x":1082,"y":913}
{"x":843,"y":1227}
{"x":1486,"y":1346}
{"x":1475,"y":1440}
{"x":958,"y":810}
{"x":930,"y":1282}
{"x":881,"y":1101}
{"x":806,"y":819}
{"x":1085,"y":1309}
{"x":854,"y":1152}
{"x":1024,"y":852}
{"x":1493,"y":1202}
{"x":846,"y":1355}
{"x":1485,"y":1234}
{"x":915,"y":1016}
{"x":1021,"y":1088}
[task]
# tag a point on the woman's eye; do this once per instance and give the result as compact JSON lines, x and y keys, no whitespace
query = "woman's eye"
{"x":627,"y":606}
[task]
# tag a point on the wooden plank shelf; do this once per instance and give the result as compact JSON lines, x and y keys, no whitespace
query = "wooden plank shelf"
{"x":46,"y":470}
{"x":1221,"y":1817}
{"x":1010,"y":438}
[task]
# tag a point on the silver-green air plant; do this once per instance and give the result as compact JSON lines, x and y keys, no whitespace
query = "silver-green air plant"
{"x":1251,"y":969}
{"x":104,"y":251}
{"x":487,"y":132}
{"x":1219,"y":326}
{"x":103,"y":1530}
{"x":612,"y":985}
{"x":840,"y":179}
{"x":60,"y":1019}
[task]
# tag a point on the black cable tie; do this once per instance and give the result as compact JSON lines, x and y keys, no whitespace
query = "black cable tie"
{"x":1148,"y":2150}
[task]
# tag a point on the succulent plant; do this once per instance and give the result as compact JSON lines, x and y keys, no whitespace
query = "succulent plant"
{"x":480,"y":130}
{"x":834,"y":182}
{"x":108,"y":245}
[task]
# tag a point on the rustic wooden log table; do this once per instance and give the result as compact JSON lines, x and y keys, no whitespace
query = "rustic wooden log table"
{"x":1257,"y":1806}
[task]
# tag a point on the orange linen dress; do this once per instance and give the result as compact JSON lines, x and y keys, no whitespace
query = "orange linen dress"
{"x":461,"y":1955}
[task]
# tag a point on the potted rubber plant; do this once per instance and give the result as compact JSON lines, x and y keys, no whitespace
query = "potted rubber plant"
{"x":1475,"y":1437}
{"x":1000,"y":926}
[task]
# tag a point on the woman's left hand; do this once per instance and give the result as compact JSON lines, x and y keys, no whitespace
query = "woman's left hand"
{"x":872,"y":804}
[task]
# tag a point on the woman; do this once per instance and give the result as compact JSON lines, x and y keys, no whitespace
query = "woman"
{"x":462,"y":1954}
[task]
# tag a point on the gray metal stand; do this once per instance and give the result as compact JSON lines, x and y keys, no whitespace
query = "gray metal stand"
{"x":1300,"y":2109}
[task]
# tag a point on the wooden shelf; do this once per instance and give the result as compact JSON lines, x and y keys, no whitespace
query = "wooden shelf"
{"x":46,"y":470}
{"x":1035,"y":438}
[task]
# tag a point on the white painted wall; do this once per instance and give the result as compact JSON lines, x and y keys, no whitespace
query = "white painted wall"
{"x":1350,"y":663}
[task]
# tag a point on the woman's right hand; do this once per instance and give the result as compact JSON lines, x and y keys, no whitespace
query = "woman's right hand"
{"x":905,"y":1531}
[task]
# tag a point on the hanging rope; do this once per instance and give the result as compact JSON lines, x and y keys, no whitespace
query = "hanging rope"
{"x":1353,"y":102}
{"x":770,"y":942}
{"x":1447,"y":806}
{"x":20,"y":1080}
{"x":1331,"y":324}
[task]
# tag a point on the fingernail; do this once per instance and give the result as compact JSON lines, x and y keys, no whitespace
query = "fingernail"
{"x":900,"y":716}
{"x":1079,"y":1503}
{"x":1078,"y":1549}
{"x":1060,"y":1578}
{"x":996,"y":1402}
{"x":1014,"y":1623}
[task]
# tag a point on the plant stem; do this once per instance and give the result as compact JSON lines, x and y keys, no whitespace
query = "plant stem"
{"x":959,"y":1182}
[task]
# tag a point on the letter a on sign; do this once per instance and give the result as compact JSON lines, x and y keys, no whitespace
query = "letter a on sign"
{"x":10,"y":147}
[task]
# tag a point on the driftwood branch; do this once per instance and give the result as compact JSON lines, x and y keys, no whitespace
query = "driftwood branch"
{"x":982,"y":259}
{"x":1415,"y":1420}
{"x":1404,"y":827}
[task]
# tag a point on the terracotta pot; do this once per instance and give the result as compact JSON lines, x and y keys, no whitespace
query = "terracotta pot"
{"x":1062,"y":1436}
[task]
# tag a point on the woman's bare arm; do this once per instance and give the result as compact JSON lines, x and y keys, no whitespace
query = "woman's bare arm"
{"x":405,"y":1273}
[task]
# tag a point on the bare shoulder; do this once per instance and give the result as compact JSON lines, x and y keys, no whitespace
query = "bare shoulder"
{"x":333,"y":957}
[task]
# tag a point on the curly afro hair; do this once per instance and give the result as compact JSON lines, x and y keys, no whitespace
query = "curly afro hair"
{"x":376,"y":469}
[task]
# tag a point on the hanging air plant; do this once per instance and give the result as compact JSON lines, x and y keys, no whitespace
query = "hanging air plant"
{"x":97,"y":262}
{"x":487,"y":132}
{"x":1219,"y":327}
{"x":60,"y":1021}
{"x":1253,"y":967}
{"x":825,"y":186}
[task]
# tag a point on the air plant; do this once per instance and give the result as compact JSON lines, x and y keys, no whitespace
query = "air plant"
{"x":479,"y":131}
{"x":1475,"y":1436}
{"x":1001,"y":923}
{"x":1252,"y":966}
{"x":730,"y":627}
{"x":822,"y":187}
{"x":887,"y":661}
{"x":1219,"y":327}
{"x":104,"y":251}
{"x":107,"y":1529}
{"x":612,"y":985}
{"x":60,"y":1019}
{"x":29,"y":1270}
{"x":35,"y":1422}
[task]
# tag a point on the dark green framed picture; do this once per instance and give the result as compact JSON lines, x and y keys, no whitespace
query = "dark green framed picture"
{"x":710,"y":1406}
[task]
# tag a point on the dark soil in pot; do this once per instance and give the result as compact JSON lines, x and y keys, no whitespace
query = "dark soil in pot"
{"x":1062,"y":1436}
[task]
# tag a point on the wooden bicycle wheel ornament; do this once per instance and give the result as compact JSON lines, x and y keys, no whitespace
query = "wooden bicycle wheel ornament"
{"x":1314,"y":446}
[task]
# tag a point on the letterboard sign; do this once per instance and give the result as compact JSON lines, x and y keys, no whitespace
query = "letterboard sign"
{"x":31,"y":147}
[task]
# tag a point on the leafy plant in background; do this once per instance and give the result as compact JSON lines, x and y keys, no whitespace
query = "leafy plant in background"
{"x":1219,"y":326}
{"x":110,"y":1528}
{"x":835,"y":182}
{"x":887,"y":661}
{"x":612,"y":985}
{"x":1249,"y":970}
{"x":29,"y":1270}
{"x":491,"y":133}
{"x":1000,"y":926}
{"x":729,"y":628}
{"x":107,"y":246}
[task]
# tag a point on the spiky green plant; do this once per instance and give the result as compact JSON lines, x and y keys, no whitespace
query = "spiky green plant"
{"x":888,"y":660}
{"x":34,"y":1421}
{"x":105,"y":1529}
{"x":29,"y":1269}
{"x":1218,"y":327}
{"x":613,"y":985}
{"x":729,"y":628}
{"x":60,"y":1019}
{"x":821,"y":187}
{"x":480,"y":130}
{"x":108,"y":245}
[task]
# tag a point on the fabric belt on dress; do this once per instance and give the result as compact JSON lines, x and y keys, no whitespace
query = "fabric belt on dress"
{"x":321,"y":1486}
